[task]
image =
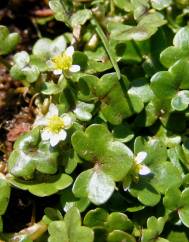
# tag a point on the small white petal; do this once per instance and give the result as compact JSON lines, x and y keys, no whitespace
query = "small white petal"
{"x":67,"y":121}
{"x":57,"y":72}
{"x":54,"y":139}
{"x":144,"y":170}
{"x":50,"y":64}
{"x":53,"y":111}
{"x":140,"y":157}
{"x":74,"y":68}
{"x":69,"y":51}
{"x":40,"y":121}
{"x":45,"y":135}
{"x":62,"y":135}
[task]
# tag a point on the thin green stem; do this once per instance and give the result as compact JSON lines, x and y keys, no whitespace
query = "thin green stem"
{"x":107,"y":47}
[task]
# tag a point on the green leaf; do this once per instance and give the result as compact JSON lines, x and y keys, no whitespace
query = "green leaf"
{"x":100,"y":187}
{"x":175,"y":236}
{"x":172,"y":54}
{"x":183,"y":210}
{"x":180,"y":101}
{"x":5,"y":195}
{"x":172,"y":199}
{"x":80,"y":187}
{"x":43,"y":186}
{"x":47,"y":48}
{"x":62,"y":10}
{"x":166,"y":175}
{"x":180,"y":71}
{"x":139,"y":7}
{"x":160,"y":4}
{"x":97,"y":146}
{"x":155,"y":149}
{"x":21,"y":59}
{"x":181,"y":39}
{"x":147,"y":26}
{"x":80,"y":59}
{"x":164,"y":85}
{"x":96,"y":217}
{"x":155,"y":228}
{"x":70,"y":229}
{"x":8,"y":41}
{"x":141,"y":89}
{"x":107,"y":89}
{"x":111,"y":160}
{"x":58,"y":232}
{"x":80,"y":17}
{"x":50,"y":88}
{"x":23,"y":69}
{"x":30,"y":154}
{"x":145,"y":192}
{"x":123,"y":4}
{"x":83,"y":111}
{"x":119,"y":221}
{"x":68,"y":200}
{"x":119,"y":236}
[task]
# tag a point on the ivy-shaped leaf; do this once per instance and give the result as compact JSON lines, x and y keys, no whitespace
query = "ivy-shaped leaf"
{"x":154,"y":229}
{"x":107,"y":89}
{"x":146,"y":27}
{"x":42,"y":186}
{"x":179,"y":50}
{"x":62,"y":10}
{"x":8,"y":41}
{"x":83,"y":110}
{"x":111,"y":161}
{"x":177,"y":201}
{"x":46,"y":48}
{"x":31,"y":154}
{"x":70,"y":229}
{"x":23,"y":69}
{"x":165,"y":84}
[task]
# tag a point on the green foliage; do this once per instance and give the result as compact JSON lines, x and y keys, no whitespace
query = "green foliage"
{"x":70,"y":229}
{"x":110,"y":96}
{"x":111,"y":161}
{"x":8,"y":41}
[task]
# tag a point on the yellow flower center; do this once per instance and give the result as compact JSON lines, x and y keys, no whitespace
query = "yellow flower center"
{"x":62,"y":62}
{"x":55,"y":124}
{"x":137,"y":168}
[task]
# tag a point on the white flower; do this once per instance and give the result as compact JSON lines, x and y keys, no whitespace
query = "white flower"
{"x":139,"y":167}
{"x":62,"y":63}
{"x":54,"y":125}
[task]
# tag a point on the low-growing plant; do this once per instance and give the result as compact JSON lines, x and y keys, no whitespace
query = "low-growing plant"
{"x":110,"y":133}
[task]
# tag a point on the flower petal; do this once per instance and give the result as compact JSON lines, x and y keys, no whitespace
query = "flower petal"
{"x":50,"y":64}
{"x":40,"y":121}
{"x":53,"y":111}
{"x":45,"y":135}
{"x":144,"y":170}
{"x":54,"y":139}
{"x":140,"y":157}
{"x":62,"y":135}
{"x":74,"y":68}
{"x":69,"y":51}
{"x":67,"y":121}
{"x":57,"y":72}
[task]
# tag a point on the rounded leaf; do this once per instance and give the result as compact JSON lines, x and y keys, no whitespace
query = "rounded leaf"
{"x":44,"y":187}
{"x":163,"y":85}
